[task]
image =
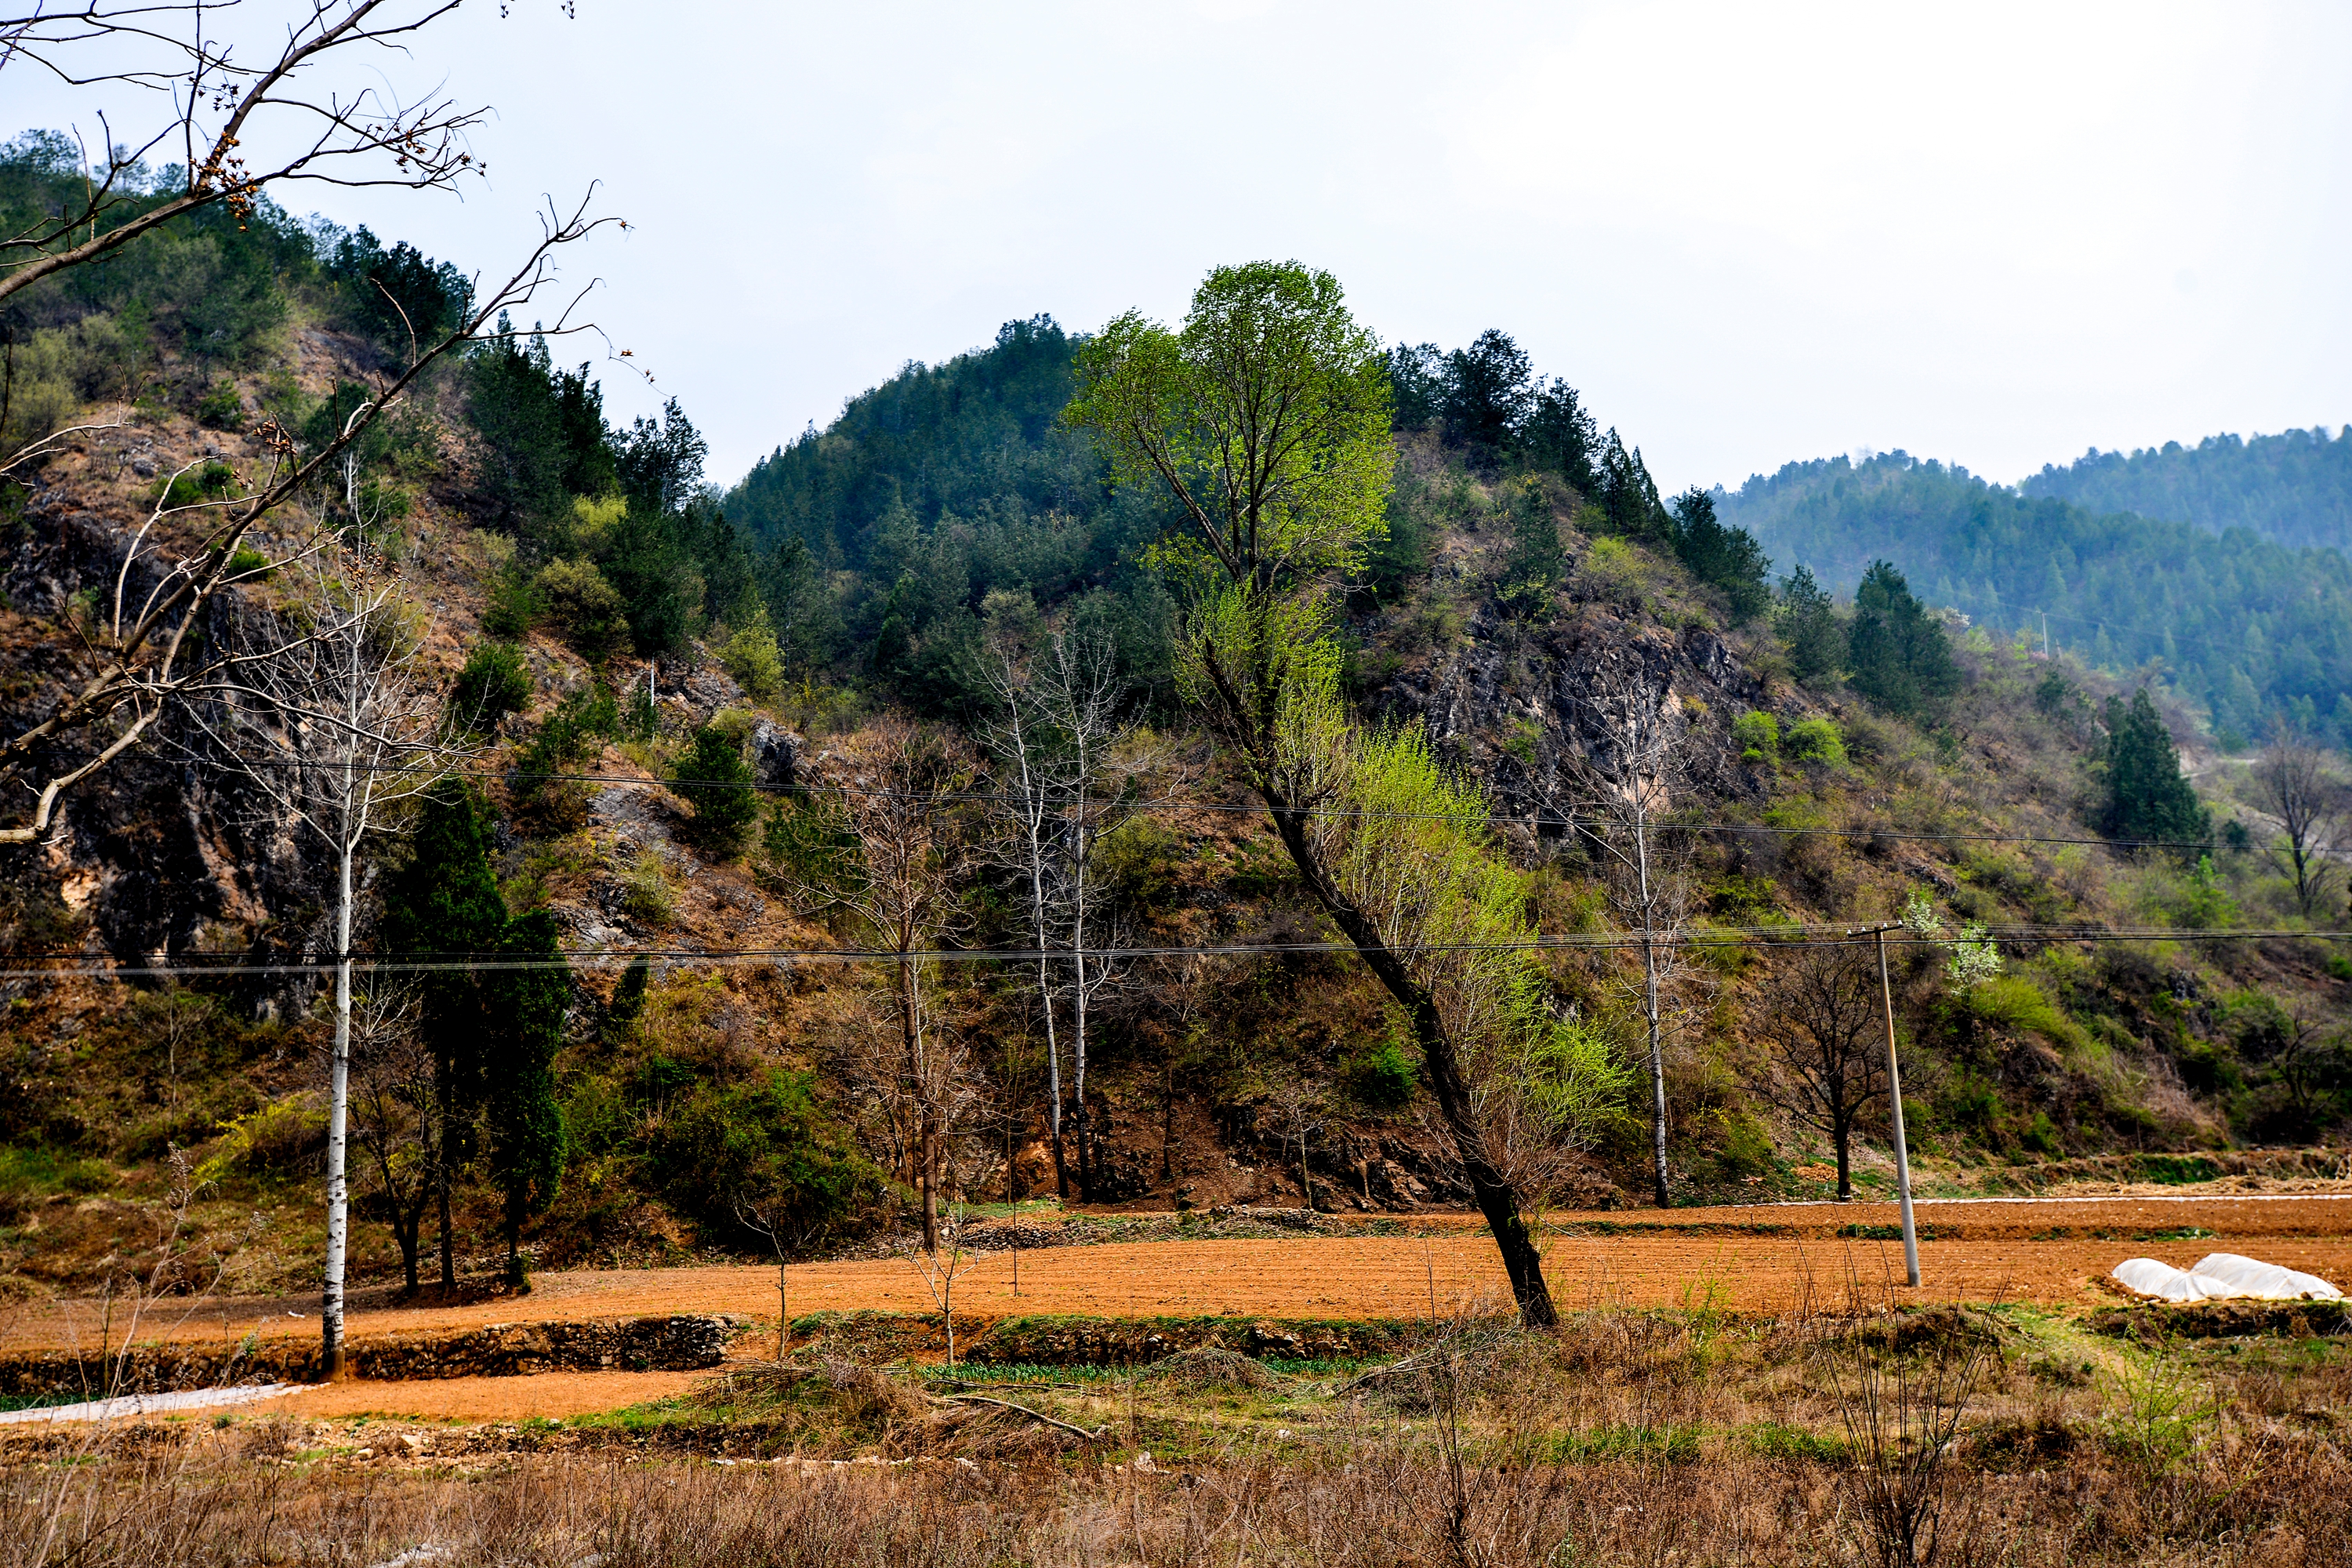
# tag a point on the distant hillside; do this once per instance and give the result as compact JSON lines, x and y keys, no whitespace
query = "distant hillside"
{"x":2244,"y":624}
{"x":2294,"y":487}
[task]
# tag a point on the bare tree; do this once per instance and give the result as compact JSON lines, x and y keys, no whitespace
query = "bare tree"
{"x":1060,"y":734}
{"x":1821,"y":1021}
{"x":2291,"y":784}
{"x":939,"y":1271}
{"x":1301,"y":1110}
{"x":331,"y":719}
{"x":213,"y":109}
{"x":397,"y":1113}
{"x":898,"y":801}
{"x":176,"y":1016}
{"x":1625,"y":780}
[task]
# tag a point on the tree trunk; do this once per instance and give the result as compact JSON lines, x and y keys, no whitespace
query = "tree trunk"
{"x":1495,"y":1198}
{"x":331,"y":1297}
{"x":446,"y":1073}
{"x":1844,"y":1140}
{"x":1650,"y":1012}
{"x":911,"y":1036}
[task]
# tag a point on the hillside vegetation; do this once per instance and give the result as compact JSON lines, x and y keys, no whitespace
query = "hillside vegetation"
{"x":2245,"y":628}
{"x":683,"y":697}
{"x":2294,"y":487}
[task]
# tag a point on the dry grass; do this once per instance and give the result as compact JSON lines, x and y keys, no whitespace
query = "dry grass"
{"x":1946,"y":1436}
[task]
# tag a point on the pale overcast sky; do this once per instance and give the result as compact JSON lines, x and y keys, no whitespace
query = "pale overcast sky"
{"x":1749,"y":233}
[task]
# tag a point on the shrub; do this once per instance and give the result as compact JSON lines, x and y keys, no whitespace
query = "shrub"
{"x":752,"y":657}
{"x":221,"y":407}
{"x":716,"y":781}
{"x":1816,"y":740}
{"x":494,"y":683}
{"x":1758,"y":735}
{"x":645,"y":897}
{"x":585,"y":610}
{"x":1380,"y":1078}
{"x":212,"y":482}
{"x":511,"y":611}
{"x":765,"y":1143}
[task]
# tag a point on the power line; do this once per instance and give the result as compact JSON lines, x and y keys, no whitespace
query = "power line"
{"x":1539,"y":818}
{"x":1706,"y":937}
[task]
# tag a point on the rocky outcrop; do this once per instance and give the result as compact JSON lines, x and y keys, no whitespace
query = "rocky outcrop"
{"x":1513,"y":703}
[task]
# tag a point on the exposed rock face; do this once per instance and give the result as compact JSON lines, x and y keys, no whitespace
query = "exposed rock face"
{"x":1513,"y":703}
{"x":775,"y":755}
{"x":161,"y":857}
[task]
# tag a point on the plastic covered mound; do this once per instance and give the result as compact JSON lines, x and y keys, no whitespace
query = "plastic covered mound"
{"x":2221,"y":1276}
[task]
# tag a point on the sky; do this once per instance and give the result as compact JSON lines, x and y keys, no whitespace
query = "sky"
{"x":1996,"y":235}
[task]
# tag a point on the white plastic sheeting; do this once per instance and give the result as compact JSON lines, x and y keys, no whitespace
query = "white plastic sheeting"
{"x":2221,"y":1276}
{"x":146,"y":1404}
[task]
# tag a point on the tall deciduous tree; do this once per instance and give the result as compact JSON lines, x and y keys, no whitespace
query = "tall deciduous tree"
{"x":1626,"y":779}
{"x":899,"y":789}
{"x":1821,"y":1017}
{"x":2292,"y":782}
{"x":331,"y":721}
{"x":1265,"y":421}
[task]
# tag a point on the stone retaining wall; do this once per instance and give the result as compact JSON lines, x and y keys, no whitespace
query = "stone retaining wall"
{"x":497,"y":1350}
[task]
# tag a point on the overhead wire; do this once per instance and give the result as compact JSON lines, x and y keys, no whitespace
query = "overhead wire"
{"x":1786,"y":935}
{"x":1539,"y":818}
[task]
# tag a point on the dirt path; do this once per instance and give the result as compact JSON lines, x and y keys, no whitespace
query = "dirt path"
{"x":2046,"y":1252}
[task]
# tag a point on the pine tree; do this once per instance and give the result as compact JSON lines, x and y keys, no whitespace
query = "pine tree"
{"x":2147,"y":796}
{"x":716,"y":781}
{"x":1537,"y":561}
{"x":526,"y":1004}
{"x":1900,"y":658}
{"x":1728,"y":559}
{"x":1808,"y":623}
{"x":444,"y":904}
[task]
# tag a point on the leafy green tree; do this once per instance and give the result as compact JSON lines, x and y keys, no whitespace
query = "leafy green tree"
{"x":2147,"y":796}
{"x":628,"y":1001}
{"x":494,"y":683}
{"x":1264,"y":420}
{"x":807,"y":623}
{"x":543,"y":430}
{"x":715,"y":779}
{"x":584,"y":608}
{"x":526,"y":1001}
{"x":1900,"y":658}
{"x":1806,"y":621}
{"x":441,"y":905}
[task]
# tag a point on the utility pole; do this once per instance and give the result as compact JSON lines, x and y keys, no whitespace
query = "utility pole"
{"x":1894,"y":1105}
{"x":2045,"y":637}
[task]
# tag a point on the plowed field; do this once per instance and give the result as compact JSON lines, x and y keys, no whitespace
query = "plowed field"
{"x":2051,"y":1252}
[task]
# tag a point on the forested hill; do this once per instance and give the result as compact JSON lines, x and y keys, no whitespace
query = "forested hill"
{"x":976,"y":438}
{"x":2294,"y":487}
{"x":2244,"y":624}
